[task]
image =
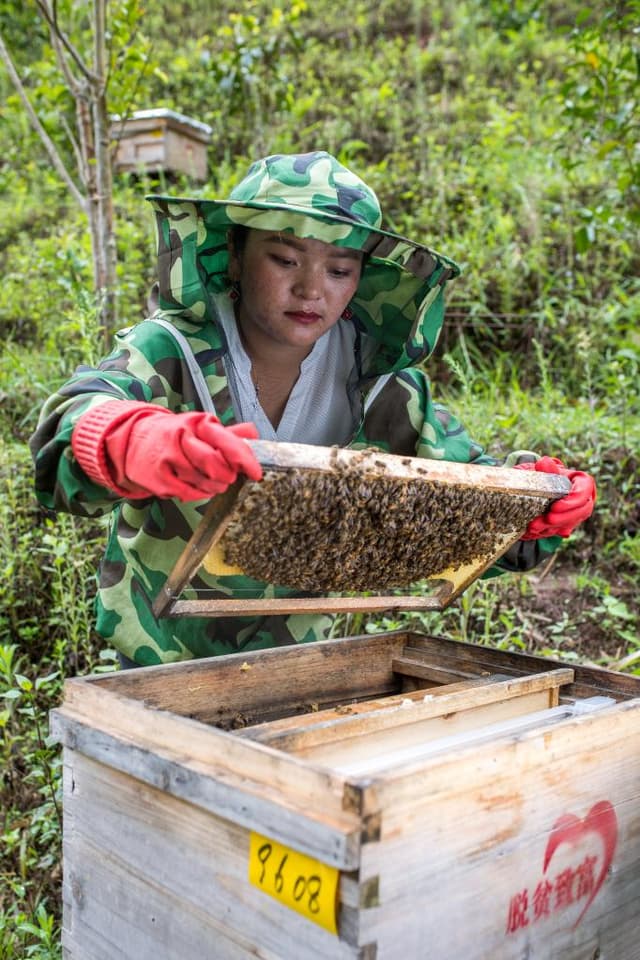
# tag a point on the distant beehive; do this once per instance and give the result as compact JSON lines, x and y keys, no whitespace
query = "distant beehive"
{"x":154,"y":141}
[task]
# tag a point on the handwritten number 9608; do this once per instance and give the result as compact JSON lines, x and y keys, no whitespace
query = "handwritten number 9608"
{"x":309,"y":886}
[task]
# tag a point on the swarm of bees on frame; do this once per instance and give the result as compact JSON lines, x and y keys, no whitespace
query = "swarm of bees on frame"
{"x":349,"y":530}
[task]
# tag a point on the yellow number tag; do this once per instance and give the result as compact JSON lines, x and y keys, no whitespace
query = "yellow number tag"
{"x":299,"y":882}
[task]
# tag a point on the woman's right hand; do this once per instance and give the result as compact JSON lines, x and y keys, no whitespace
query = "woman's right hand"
{"x":140,"y":450}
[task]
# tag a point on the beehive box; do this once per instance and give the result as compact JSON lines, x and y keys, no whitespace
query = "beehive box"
{"x":154,"y":141}
{"x":388,"y":796}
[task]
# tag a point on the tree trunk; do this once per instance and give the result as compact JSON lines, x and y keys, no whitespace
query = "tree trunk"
{"x":88,"y":86}
{"x":106,"y":260}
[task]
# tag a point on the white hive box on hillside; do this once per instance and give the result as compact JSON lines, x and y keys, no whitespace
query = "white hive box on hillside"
{"x":155,"y":141}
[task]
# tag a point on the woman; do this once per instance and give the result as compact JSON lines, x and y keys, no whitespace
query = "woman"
{"x":285,"y":312}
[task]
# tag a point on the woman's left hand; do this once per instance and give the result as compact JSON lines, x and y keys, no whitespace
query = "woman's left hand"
{"x":565,"y":514}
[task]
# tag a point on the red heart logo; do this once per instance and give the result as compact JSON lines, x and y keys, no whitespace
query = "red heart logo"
{"x":601,"y":820}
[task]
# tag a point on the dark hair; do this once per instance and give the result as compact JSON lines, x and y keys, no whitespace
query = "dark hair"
{"x":238,"y":234}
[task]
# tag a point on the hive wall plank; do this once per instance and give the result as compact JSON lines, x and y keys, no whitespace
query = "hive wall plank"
{"x":299,"y":678}
{"x":262,"y":682}
{"x":463,"y":835}
{"x":172,"y":754}
{"x":465,"y":656}
{"x":153,"y":876}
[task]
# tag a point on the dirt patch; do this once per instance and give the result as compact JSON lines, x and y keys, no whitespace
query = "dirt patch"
{"x":565,"y":616}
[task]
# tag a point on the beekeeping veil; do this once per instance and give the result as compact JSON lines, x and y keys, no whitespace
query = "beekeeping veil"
{"x":399,"y":300}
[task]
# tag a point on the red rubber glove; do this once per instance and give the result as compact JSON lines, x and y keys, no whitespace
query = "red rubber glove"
{"x":141,"y":450}
{"x":565,"y":514}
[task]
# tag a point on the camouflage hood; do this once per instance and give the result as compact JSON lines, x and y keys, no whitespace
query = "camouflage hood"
{"x":399,"y":301}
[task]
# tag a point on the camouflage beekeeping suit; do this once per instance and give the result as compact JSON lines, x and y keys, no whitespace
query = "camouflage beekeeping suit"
{"x":398,"y":304}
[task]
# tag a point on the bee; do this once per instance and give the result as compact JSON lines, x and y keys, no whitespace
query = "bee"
{"x":351,"y":529}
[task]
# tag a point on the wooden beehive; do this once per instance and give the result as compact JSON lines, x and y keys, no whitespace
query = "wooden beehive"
{"x":383,"y":798}
{"x":327,"y":521}
{"x":155,"y":141}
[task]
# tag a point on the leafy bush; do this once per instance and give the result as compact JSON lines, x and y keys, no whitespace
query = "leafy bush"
{"x":47,"y":569}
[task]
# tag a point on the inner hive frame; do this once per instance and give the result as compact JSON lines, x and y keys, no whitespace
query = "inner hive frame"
{"x":326,"y":521}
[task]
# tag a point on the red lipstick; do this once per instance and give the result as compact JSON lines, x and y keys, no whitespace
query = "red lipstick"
{"x":300,"y":316}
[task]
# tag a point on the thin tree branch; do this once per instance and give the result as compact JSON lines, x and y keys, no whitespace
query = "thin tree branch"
{"x":103,"y":168}
{"x":75,"y":146}
{"x":75,"y":87}
{"x":48,"y":144}
{"x":51,"y":16}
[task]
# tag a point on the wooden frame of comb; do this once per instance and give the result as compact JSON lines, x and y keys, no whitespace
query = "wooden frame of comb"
{"x":441,"y":525}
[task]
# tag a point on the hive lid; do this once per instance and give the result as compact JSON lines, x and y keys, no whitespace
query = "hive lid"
{"x":351,"y":530}
{"x":123,"y":126}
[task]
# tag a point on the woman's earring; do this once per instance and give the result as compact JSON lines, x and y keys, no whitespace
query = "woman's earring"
{"x":234,"y":290}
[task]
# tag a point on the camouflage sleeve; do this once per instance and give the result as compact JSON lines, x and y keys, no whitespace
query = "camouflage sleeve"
{"x":525,"y":555}
{"x":144,"y":365}
{"x":401,"y":417}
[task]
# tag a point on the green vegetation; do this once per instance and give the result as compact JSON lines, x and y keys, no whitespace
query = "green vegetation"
{"x":504,"y":134}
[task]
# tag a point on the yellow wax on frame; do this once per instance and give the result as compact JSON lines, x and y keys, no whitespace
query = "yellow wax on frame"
{"x":214,"y":563}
